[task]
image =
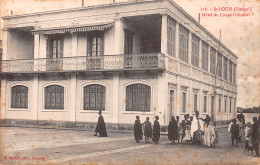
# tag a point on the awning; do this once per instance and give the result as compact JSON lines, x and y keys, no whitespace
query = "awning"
{"x":62,"y":30}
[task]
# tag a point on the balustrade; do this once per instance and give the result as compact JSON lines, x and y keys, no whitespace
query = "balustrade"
{"x":81,"y":63}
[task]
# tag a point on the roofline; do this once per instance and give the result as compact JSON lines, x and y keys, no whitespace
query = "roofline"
{"x":123,"y":3}
{"x":198,"y":24}
{"x":75,"y":9}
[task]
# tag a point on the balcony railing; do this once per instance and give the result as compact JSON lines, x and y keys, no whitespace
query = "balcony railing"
{"x":82,"y":63}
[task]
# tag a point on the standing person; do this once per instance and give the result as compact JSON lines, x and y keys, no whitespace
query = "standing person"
{"x":216,"y":141}
{"x":255,"y":136}
{"x":138,"y":132}
{"x":209,"y":135}
{"x":234,"y":132}
{"x":197,"y":129}
{"x":229,"y":126}
{"x":248,"y":132}
{"x":101,"y":126}
{"x":147,"y":130}
{"x":156,"y":130}
{"x":172,"y":130}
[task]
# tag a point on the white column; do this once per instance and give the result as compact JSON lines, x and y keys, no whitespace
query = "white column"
{"x":5,"y":41}
{"x":72,"y":97}
{"x":162,"y":98}
{"x":3,"y":99}
{"x":36,"y":51}
{"x":119,"y":37}
{"x":42,"y":53}
{"x":115,"y":98}
{"x":74,"y":43}
{"x":164,"y":34}
{"x":34,"y":97}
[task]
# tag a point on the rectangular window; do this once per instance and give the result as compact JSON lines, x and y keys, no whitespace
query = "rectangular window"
{"x":234,"y":75}
{"x":184,"y":102}
{"x":204,"y":65}
{"x":205,"y":103}
{"x":219,"y":104}
{"x":225,"y":105}
{"x":171,"y":36}
{"x":19,"y":97}
{"x":195,"y":104}
{"x":225,"y":68}
{"x":195,"y":50}
{"x":230,"y":106}
{"x":219,"y":65}
{"x":54,"y":46}
{"x":95,"y":44}
{"x":230,"y":71}
{"x":212,"y":60}
{"x":128,"y":44}
{"x":183,"y":43}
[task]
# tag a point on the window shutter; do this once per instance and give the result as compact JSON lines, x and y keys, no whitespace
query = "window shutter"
{"x":48,"y":48}
{"x":61,"y":48}
{"x":89,"y":46}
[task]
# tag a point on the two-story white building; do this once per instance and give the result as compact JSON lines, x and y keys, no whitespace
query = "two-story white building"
{"x":125,"y":58}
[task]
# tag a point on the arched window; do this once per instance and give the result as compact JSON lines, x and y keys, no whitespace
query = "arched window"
{"x":94,"y":97}
{"x":19,"y":97}
{"x":54,"y":97}
{"x":138,"y":97}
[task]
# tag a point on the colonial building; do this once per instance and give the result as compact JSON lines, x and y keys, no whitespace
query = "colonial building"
{"x":125,"y":58}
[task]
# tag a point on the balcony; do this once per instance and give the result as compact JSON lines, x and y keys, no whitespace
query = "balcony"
{"x":148,"y":61}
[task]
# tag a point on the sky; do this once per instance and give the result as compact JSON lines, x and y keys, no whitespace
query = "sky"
{"x":241,"y":34}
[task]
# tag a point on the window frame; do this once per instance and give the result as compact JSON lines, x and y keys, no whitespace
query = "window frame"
{"x":184,"y":90}
{"x":126,"y":97}
{"x":90,"y":37}
{"x":205,"y":56}
{"x":171,"y":36}
{"x":195,"y":50}
{"x":44,"y":98}
{"x":230,"y":65}
{"x":225,"y":76}
{"x":9,"y":96}
{"x":219,"y":103}
{"x":49,"y":46}
{"x":213,"y":53}
{"x":225,"y":104}
{"x":128,"y":42}
{"x":183,"y":44}
{"x":205,"y":101}
{"x":104,"y":97}
{"x":219,"y":65}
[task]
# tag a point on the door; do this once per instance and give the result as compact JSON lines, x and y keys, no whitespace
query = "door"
{"x":54,"y":60}
{"x":171,"y":105}
{"x":212,"y":108}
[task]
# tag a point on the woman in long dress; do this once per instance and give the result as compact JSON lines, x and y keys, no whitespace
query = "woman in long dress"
{"x":101,"y":126}
{"x":156,"y":130}
{"x":138,"y":132}
{"x":172,"y":130}
{"x":209,"y":135}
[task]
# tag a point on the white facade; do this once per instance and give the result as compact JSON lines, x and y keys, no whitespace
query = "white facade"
{"x":111,"y":47}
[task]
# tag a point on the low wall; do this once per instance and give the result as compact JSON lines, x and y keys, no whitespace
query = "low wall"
{"x":249,"y":116}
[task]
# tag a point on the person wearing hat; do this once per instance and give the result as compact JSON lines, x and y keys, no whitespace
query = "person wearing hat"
{"x":138,"y":132}
{"x":101,"y":126}
{"x":156,"y":130}
{"x":255,"y":136}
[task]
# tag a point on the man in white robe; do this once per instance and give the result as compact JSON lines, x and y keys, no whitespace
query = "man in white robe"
{"x":197,"y":127}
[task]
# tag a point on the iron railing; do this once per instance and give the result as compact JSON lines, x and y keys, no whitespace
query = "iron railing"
{"x":81,"y":63}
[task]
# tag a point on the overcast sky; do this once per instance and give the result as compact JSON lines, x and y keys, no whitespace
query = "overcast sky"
{"x":239,"y":34}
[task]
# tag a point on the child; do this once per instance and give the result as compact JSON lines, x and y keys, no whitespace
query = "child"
{"x":180,"y":131}
{"x":147,"y":130}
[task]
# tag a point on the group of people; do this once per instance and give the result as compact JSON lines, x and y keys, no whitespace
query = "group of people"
{"x":190,"y":130}
{"x":249,"y":132}
{"x":193,"y":130}
{"x":148,"y":133}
